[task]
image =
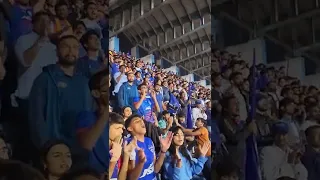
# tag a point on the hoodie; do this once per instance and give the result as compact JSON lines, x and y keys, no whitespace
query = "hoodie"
{"x":126,"y":95}
{"x":55,"y":101}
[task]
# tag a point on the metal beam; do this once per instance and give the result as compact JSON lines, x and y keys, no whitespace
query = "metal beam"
{"x":276,"y":41}
{"x":142,"y":17}
{"x":206,"y":66}
{"x":193,"y":56}
{"x":289,"y":21}
{"x":180,"y":66}
{"x":181,"y":37}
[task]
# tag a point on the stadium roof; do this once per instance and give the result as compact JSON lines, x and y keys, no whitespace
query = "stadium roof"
{"x":292,"y":24}
{"x":179,"y":30}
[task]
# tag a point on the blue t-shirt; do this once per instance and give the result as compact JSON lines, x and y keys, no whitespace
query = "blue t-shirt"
{"x":99,"y":155}
{"x":21,"y":23}
{"x":145,"y":109}
{"x":147,"y":172}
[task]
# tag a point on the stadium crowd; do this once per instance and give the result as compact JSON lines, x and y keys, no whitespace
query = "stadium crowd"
{"x":72,"y":109}
{"x":285,"y":122}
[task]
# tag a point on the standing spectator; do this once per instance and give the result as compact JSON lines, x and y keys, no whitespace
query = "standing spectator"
{"x":120,"y":78}
{"x":34,"y":51}
{"x":90,"y":19}
{"x":93,"y":61}
{"x":198,"y":112}
{"x":22,"y":18}
{"x":144,"y":105}
{"x":60,"y":25}
{"x":279,"y":160}
{"x":127,"y":92}
{"x":57,"y":96}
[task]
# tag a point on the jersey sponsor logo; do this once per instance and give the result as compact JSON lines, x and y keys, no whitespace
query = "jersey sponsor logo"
{"x":148,"y":171}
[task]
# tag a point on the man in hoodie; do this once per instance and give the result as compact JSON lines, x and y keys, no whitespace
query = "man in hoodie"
{"x":127,"y":92}
{"x":57,"y":96}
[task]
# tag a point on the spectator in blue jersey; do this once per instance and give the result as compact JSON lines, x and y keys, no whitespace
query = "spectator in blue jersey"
{"x":144,"y":163}
{"x":21,"y":22}
{"x":127,"y":92}
{"x":93,"y":61}
{"x":159,"y":96}
{"x":118,"y":169}
{"x":92,"y":130}
{"x":166,"y":94}
{"x":138,"y":78}
{"x":57,"y":96}
{"x":56,"y":159}
{"x":144,"y":105}
{"x":179,"y":163}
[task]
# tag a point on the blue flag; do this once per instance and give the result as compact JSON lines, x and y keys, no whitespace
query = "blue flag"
{"x":252,"y":168}
{"x":189,"y":112}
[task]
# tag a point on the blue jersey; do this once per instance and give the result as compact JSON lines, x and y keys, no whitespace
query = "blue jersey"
{"x":147,"y":172}
{"x":145,"y":109}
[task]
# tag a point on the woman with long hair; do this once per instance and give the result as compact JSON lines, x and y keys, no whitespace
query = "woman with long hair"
{"x":56,"y":159}
{"x":126,"y":112}
{"x":179,"y":163}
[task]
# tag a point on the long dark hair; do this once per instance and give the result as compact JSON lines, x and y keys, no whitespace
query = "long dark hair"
{"x":45,"y":150}
{"x":182,"y":149}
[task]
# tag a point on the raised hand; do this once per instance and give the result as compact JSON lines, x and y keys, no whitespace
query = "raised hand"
{"x":116,"y":149}
{"x":128,"y":148}
{"x":166,"y":142}
{"x":204,"y":148}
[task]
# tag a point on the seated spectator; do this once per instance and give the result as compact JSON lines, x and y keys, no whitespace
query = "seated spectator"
{"x":56,"y":159}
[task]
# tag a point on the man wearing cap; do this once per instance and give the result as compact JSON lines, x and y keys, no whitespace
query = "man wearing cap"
{"x":198,"y":112}
{"x":279,"y":159}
